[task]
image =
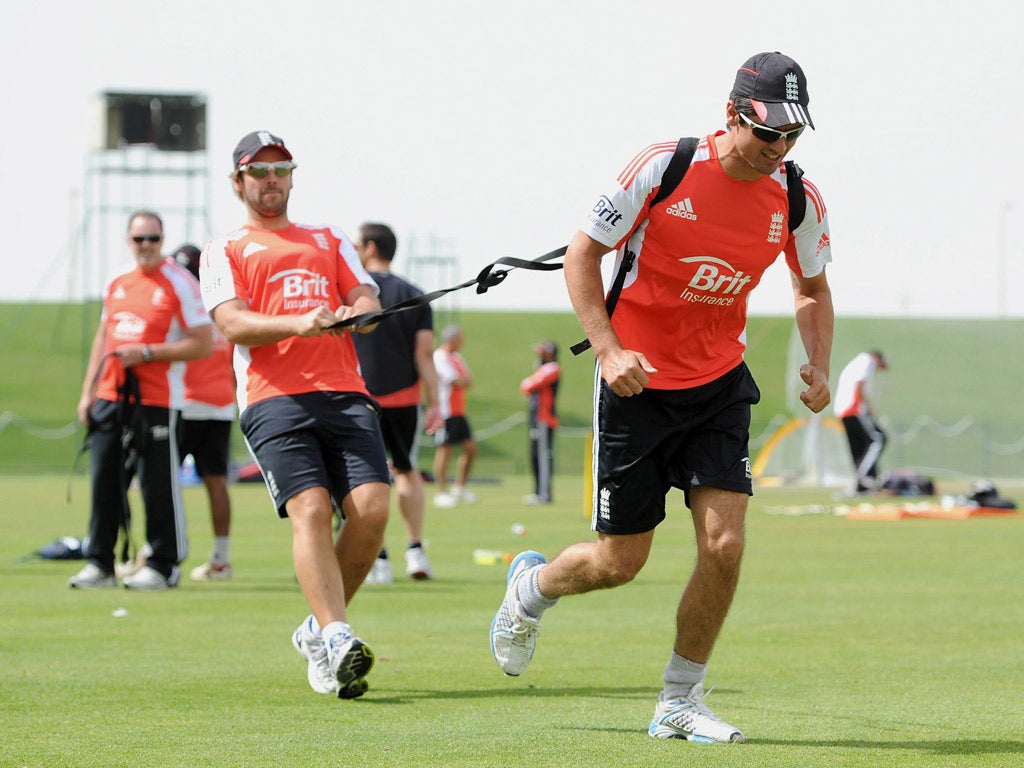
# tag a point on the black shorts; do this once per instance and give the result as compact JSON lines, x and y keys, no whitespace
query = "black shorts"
{"x":660,"y":439}
{"x":317,"y":439}
{"x":401,"y":429}
{"x":208,"y":441}
{"x":454,"y":432}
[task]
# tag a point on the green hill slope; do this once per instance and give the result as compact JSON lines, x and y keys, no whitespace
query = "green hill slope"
{"x":943,"y":372}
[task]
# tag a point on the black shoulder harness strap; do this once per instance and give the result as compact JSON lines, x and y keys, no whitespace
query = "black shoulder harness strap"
{"x":677,"y":167}
{"x":491,"y":276}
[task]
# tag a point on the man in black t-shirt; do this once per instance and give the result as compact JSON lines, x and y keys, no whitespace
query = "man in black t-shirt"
{"x":397,"y":364}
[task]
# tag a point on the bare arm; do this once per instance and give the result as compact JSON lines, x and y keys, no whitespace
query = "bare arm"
{"x":96,"y":354}
{"x":359,"y":301}
{"x":626,"y":371}
{"x":424,"y":354}
{"x":815,"y":320}
{"x":244,"y":326}
{"x":197,"y":343}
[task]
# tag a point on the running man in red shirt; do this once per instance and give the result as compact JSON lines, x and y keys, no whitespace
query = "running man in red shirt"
{"x":273,"y":288}
{"x":672,"y":394}
{"x":153,"y":320}
{"x":541,"y":387}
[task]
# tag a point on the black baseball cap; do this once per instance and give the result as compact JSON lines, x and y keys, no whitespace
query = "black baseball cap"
{"x":188,"y":256}
{"x":777,"y":88}
{"x":253,"y":142}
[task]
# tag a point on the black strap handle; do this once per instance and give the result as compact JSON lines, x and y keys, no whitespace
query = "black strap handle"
{"x":488,"y":277}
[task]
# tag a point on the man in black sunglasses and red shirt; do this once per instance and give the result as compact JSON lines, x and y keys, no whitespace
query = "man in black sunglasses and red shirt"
{"x":153,"y":320}
{"x":672,"y":407}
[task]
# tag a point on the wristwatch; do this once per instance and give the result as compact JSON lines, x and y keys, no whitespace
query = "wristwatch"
{"x":147,"y":354}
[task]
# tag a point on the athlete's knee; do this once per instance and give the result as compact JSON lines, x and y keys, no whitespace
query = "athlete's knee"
{"x":618,"y":565}
{"x":723,"y":550}
{"x":620,"y":572}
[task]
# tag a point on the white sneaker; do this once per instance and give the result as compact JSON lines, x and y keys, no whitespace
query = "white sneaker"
{"x":416,"y":564}
{"x":210,"y":572}
{"x":148,"y":578}
{"x":380,"y":573}
{"x":350,"y":659}
{"x":532,"y":499}
{"x":689,"y":718}
{"x":463,"y":494}
{"x":446,"y":500}
{"x":513,"y":631}
{"x":92,"y":577}
{"x":314,"y":650}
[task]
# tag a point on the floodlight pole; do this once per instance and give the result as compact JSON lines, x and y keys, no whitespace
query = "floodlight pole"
{"x":1002,"y":260}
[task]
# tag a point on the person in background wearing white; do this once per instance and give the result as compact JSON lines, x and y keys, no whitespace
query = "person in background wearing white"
{"x":855,"y":406}
{"x":453,"y":379}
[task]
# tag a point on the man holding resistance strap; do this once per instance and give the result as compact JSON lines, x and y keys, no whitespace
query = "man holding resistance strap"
{"x":274,"y":288}
{"x":673,"y":395}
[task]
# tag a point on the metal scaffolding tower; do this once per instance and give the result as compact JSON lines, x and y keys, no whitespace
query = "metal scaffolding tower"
{"x":150,"y":153}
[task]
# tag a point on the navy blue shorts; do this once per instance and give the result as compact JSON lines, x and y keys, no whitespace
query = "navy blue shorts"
{"x":208,"y":441}
{"x":401,"y":429}
{"x":330,"y":440}
{"x":662,"y":439}
{"x":455,"y":431}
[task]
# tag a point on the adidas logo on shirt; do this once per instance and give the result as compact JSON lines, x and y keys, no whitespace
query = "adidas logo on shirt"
{"x":683,"y":209}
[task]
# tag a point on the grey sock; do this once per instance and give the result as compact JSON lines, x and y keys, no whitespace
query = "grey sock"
{"x":681,"y":675}
{"x":533,"y":602}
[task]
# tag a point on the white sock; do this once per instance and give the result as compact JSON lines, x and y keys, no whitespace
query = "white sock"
{"x":681,"y":675}
{"x":221,"y":550}
{"x":336,"y":628}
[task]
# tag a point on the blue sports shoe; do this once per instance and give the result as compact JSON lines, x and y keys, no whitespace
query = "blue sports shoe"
{"x":513,"y":631}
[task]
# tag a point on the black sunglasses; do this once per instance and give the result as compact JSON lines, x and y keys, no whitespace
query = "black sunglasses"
{"x":140,"y":239}
{"x":770,"y":135}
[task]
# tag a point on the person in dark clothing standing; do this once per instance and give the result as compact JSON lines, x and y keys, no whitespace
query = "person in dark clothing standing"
{"x":398,"y":365}
{"x":541,"y":387}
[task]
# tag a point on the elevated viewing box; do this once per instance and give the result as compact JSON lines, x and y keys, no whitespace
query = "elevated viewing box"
{"x":170,"y":122}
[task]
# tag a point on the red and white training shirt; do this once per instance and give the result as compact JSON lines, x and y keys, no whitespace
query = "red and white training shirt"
{"x":700,"y":252}
{"x":210,"y":383}
{"x":287,"y":271}
{"x":150,"y":308}
{"x":450,"y":366}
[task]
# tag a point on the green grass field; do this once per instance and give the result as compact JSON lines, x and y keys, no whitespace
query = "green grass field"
{"x":849,"y":644}
{"x":943,"y":371}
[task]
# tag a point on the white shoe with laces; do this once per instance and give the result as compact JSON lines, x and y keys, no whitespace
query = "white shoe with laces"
{"x":350,"y":659}
{"x":210,"y":571}
{"x":513,"y":631}
{"x":149,"y":578}
{"x":380,"y":573}
{"x":446,"y":500}
{"x":416,"y":564}
{"x":464,"y":494}
{"x":92,"y":577}
{"x":314,"y":650}
{"x":689,"y":718}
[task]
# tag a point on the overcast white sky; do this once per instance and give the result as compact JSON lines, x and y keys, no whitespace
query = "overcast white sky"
{"x":494,"y":127}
